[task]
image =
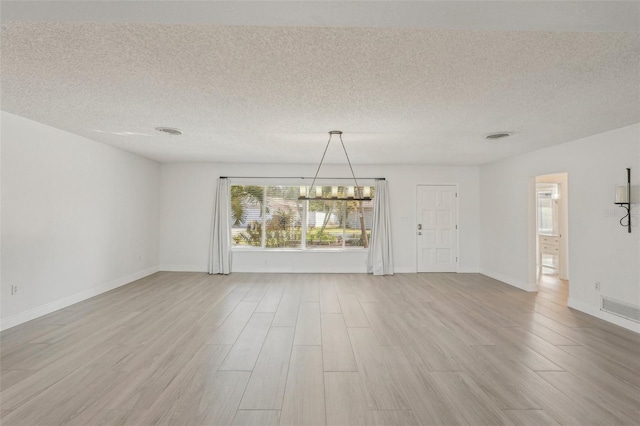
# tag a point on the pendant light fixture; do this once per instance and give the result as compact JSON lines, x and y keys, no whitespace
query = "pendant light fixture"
{"x":350,"y":193}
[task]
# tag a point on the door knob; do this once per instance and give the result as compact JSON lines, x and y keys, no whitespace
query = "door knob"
{"x":419,"y":226}
{"x":419,"y":233}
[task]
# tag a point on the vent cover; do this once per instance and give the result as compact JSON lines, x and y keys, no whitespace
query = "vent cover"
{"x":622,"y":309}
{"x":498,"y":135}
{"x":169,"y":130}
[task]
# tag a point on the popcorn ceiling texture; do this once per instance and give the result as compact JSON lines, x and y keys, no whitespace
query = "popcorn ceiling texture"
{"x":271,"y":94}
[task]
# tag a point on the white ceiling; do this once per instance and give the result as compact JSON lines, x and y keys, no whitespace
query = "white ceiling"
{"x":408,"y":82}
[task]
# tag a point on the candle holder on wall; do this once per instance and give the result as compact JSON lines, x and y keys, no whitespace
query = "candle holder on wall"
{"x":623,"y":199}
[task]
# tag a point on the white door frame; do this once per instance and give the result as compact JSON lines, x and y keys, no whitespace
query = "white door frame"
{"x":457,"y":218}
{"x":564,"y":265}
{"x":533,"y":235}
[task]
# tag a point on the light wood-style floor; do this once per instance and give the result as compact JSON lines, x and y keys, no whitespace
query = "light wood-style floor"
{"x":303,"y":349}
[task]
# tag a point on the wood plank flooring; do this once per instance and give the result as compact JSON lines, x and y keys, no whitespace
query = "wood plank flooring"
{"x":316,"y":349}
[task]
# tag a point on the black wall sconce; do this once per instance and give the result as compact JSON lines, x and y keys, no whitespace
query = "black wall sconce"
{"x":623,"y":199}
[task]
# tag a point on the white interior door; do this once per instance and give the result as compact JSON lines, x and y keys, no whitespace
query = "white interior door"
{"x":437,"y":214}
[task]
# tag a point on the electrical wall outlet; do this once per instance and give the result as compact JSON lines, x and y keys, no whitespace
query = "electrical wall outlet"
{"x":597,"y":285}
{"x":14,"y":289}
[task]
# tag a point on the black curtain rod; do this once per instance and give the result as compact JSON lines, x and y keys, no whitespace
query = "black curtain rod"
{"x":294,"y":177}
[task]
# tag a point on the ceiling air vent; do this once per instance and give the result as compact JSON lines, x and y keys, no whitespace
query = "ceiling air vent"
{"x":169,"y":130}
{"x":498,"y":135}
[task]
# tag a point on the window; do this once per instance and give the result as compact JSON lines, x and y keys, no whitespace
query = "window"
{"x":547,"y":209}
{"x":273,"y":217}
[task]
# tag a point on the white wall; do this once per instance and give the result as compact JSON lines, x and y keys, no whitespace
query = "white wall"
{"x":599,"y":248}
{"x":78,"y":218}
{"x":188,"y":191}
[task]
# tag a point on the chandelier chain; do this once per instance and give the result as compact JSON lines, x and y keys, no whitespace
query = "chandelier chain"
{"x":321,"y":160}
{"x":331,"y":133}
{"x":348,"y":161}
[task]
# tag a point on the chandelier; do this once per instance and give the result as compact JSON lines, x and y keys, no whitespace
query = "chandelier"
{"x":350,"y":193}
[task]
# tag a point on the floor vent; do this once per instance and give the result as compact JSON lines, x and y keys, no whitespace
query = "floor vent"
{"x":625,"y":310}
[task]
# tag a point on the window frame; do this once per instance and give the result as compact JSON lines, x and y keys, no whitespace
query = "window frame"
{"x":546,"y":192}
{"x":304,"y":225}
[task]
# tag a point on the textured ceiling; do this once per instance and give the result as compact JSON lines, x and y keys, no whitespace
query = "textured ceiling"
{"x":270,"y":93}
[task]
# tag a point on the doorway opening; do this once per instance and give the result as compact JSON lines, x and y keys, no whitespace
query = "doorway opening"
{"x":551,"y":233}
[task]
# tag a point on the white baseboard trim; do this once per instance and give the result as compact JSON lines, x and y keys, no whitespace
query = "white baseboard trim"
{"x":459,"y":271}
{"x":522,"y":285}
{"x":39,"y":311}
{"x":605,"y":316}
{"x":279,"y":269}
{"x":182,"y":268}
{"x":266,"y":269}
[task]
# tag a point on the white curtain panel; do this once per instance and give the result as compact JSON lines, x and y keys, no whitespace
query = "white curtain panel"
{"x":380,"y":259}
{"x":220,"y":247}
